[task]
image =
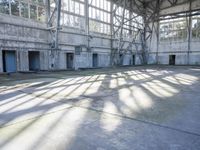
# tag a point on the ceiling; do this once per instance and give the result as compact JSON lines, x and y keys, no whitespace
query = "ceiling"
{"x":160,"y":7}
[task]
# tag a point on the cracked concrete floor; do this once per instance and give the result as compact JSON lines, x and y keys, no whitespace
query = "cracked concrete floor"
{"x":133,"y":108}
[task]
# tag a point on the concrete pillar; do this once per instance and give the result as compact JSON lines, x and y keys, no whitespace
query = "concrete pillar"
{"x":189,"y":32}
{"x":87,"y":28}
{"x":23,"y":62}
{"x":44,"y":60}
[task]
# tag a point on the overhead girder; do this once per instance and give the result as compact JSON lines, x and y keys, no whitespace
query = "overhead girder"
{"x":180,"y":7}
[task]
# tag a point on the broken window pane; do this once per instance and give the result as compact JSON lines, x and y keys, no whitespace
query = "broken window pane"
{"x":34,"y":1}
{"x":24,"y":10}
{"x":33,"y":12}
{"x":41,"y":14}
{"x":4,"y":6}
{"x":100,"y":16}
{"x":41,"y":2}
{"x":173,"y":29}
{"x":15,"y":7}
{"x":196,"y":27}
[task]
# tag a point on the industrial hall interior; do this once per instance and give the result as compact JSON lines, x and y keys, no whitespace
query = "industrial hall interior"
{"x":99,"y":74}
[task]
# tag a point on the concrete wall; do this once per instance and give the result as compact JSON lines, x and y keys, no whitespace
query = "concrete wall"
{"x":186,"y":53}
{"x":24,"y":35}
{"x":103,"y":60}
{"x":84,"y":60}
{"x":178,"y":48}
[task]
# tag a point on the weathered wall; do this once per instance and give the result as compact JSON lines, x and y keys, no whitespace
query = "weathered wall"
{"x":187,"y":50}
{"x":24,"y":35}
{"x":84,"y":60}
{"x":186,"y":53}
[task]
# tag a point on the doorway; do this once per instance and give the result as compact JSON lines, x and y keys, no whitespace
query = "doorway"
{"x":95,"y":60}
{"x":70,"y":60}
{"x":120,"y":59}
{"x":34,"y":60}
{"x":133,"y":59}
{"x":9,"y":61}
{"x":172,"y":59}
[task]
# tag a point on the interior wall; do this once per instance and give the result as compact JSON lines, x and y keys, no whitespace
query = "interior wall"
{"x":23,"y":35}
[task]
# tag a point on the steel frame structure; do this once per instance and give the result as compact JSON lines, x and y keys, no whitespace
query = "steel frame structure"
{"x":53,"y":25}
{"x":149,"y":10}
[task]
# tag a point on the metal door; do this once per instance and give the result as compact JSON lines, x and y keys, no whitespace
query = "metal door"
{"x":95,"y":60}
{"x":10,"y":61}
{"x":70,"y":60}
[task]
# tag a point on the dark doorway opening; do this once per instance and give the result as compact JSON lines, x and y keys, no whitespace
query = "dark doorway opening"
{"x":9,"y":61}
{"x":70,"y":60}
{"x":34,"y":60}
{"x":120,"y":59}
{"x":133,"y":60}
{"x":172,"y":59}
{"x":95,"y":60}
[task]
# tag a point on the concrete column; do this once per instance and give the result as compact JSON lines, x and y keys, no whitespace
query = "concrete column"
{"x":189,"y":33}
{"x":111,"y":31}
{"x":44,"y":60}
{"x":87,"y":28}
{"x":158,"y":40}
{"x":47,"y":7}
{"x":22,"y":60}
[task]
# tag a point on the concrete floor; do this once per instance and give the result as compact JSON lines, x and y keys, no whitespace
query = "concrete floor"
{"x":138,"y":108}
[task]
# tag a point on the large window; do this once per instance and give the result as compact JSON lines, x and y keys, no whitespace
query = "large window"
{"x":99,"y":14}
{"x":73,"y":13}
{"x":136,"y":25}
{"x":118,"y":20}
{"x":14,"y":8}
{"x":196,"y":27}
{"x":4,"y":6}
{"x":24,"y":10}
{"x":130,"y":22}
{"x":33,"y":9}
{"x":173,"y":29}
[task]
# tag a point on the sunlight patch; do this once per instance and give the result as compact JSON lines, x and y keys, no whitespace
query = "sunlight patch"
{"x":110,"y":122}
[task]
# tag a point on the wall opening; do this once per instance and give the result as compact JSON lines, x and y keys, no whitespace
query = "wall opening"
{"x":34,"y":60}
{"x":70,"y":60}
{"x":172,"y":59}
{"x":95,"y":60}
{"x":9,"y":61}
{"x":133,"y":59}
{"x":120,"y":59}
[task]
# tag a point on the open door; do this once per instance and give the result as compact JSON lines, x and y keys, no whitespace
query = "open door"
{"x":9,"y":61}
{"x":95,"y":60}
{"x":34,"y":60}
{"x":70,"y":60}
{"x":120,"y":59}
{"x":172,"y":59}
{"x":133,"y":60}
